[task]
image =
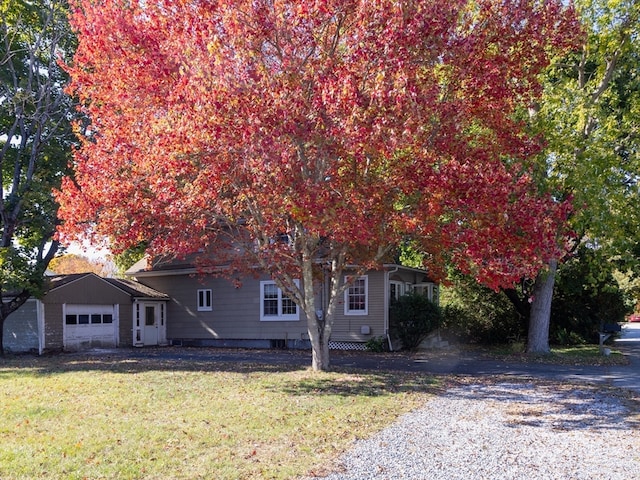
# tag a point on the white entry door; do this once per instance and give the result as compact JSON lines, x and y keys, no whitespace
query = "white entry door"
{"x":151,"y":324}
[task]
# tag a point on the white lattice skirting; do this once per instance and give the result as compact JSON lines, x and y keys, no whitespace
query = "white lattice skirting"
{"x":347,"y":346}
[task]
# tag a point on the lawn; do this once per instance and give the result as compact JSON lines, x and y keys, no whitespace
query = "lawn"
{"x":580,"y":355}
{"x":80,"y":417}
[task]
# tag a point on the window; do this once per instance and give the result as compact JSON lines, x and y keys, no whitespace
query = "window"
{"x":427,"y":289}
{"x":355,"y":297}
{"x":204,"y":300}
{"x":396,"y":290}
{"x":149,"y":316}
{"x":89,"y":319}
{"x":276,"y":306}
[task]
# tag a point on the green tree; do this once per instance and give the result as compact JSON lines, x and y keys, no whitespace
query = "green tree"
{"x":586,"y":296}
{"x":35,"y":142}
{"x":125,"y":259}
{"x":473,"y":313}
{"x":589,"y":115}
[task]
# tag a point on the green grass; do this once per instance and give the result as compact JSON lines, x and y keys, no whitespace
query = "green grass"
{"x":562,"y":355}
{"x":77,"y":417}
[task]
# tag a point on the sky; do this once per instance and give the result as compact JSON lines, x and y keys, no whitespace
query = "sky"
{"x":87,"y":250}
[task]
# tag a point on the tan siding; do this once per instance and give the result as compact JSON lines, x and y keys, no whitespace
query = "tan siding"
{"x":126,"y":325}
{"x":347,"y":328}
{"x":89,"y":290}
{"x":53,"y":325}
{"x":235,"y":313}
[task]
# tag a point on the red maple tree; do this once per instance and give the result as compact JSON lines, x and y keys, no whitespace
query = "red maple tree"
{"x":343,"y":127}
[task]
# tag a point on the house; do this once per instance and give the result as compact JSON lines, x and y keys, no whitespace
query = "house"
{"x":172,"y":304}
{"x":212,"y":311}
{"x":84,"y":310}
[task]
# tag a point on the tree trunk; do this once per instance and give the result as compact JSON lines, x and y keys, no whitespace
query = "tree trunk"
{"x":319,"y":322}
{"x":538,"y":337}
{"x":319,"y":343}
{"x":5,"y":311}
{"x":2,"y":319}
{"x":522,"y":306}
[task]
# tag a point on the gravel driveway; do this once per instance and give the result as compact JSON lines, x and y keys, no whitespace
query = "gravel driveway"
{"x":484,"y":430}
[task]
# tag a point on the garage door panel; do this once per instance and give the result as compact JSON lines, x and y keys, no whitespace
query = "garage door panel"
{"x":90,"y":326}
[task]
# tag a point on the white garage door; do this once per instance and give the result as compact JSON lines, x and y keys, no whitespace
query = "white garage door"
{"x":90,"y":326}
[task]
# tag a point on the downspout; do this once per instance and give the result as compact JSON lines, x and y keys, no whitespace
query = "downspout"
{"x":387,"y":274}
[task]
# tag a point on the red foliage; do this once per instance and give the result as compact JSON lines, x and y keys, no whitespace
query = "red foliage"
{"x":354,"y":123}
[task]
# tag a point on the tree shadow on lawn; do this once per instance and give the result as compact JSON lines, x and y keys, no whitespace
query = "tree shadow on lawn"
{"x":366,"y":383}
{"x":558,"y":406}
{"x":65,"y":363}
{"x":339,"y":381}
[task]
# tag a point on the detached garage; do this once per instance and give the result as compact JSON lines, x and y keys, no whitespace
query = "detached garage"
{"x":84,"y":311}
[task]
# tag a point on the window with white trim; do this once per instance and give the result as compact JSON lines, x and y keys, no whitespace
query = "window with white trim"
{"x":204,"y":300}
{"x":356,"y":300}
{"x":275,"y":305}
{"x":427,"y":289}
{"x":396,"y":289}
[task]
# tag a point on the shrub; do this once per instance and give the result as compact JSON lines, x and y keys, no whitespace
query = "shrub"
{"x":562,"y":336}
{"x":377,"y":344}
{"x":411,"y":318}
{"x":476,"y":314}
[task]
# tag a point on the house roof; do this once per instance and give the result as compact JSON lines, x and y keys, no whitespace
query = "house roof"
{"x":130,"y":287}
{"x":136,"y":289}
{"x":145,"y":265}
{"x":145,"y":268}
{"x":174,"y":266}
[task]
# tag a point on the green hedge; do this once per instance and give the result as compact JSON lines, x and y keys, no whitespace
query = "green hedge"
{"x":411,"y":318}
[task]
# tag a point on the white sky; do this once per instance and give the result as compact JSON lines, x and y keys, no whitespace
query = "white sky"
{"x":89,"y":251}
